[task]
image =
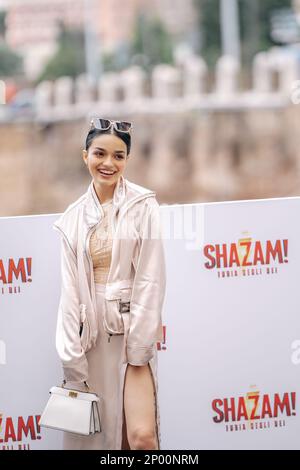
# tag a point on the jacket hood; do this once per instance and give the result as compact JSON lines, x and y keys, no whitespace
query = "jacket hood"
{"x":125,"y":193}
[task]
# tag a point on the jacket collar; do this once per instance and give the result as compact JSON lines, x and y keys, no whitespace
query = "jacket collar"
{"x":93,"y":210}
{"x":125,"y":191}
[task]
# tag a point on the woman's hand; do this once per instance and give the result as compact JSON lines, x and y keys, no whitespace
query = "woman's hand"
{"x":138,"y":368}
{"x":79,"y":386}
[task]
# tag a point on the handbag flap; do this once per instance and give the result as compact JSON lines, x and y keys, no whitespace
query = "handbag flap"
{"x":87,"y":396}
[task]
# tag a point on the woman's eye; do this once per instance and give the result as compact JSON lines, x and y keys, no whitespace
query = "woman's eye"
{"x":98,"y":153}
{"x":119,"y":157}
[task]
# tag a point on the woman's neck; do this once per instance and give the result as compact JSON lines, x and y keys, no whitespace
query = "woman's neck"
{"x":105,"y":193}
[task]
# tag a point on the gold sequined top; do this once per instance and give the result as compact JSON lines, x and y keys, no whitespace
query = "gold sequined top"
{"x":101,"y":245}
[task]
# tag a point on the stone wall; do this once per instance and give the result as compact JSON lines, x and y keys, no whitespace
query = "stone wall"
{"x":193,"y":140}
{"x":199,"y":156}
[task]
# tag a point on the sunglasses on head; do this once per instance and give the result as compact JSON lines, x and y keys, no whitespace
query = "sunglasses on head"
{"x":105,"y":124}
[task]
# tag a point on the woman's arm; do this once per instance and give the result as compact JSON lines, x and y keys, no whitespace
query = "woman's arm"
{"x":148,"y":289}
{"x":68,"y":344}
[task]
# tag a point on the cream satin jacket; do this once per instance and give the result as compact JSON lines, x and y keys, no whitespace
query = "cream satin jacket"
{"x":136,"y":283}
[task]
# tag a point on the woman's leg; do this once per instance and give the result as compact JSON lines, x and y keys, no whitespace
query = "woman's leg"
{"x":125,"y":443}
{"x":139,"y":408}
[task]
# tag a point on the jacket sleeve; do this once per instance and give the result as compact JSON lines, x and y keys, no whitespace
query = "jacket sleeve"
{"x":148,"y":290}
{"x":68,"y":344}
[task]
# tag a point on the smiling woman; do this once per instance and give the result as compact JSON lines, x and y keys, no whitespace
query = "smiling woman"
{"x":106,"y":154}
{"x":121,"y":366}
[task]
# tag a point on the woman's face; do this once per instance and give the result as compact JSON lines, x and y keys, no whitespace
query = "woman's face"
{"x":106,"y":159}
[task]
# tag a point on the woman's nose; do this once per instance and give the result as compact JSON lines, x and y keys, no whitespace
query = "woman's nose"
{"x":108,"y":160}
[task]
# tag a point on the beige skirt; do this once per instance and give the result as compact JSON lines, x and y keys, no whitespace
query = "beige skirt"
{"x":107,"y":369}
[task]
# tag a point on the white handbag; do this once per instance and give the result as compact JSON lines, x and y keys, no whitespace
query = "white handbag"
{"x":72,"y":410}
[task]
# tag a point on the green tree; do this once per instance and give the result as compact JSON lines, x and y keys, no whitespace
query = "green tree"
{"x":10,"y":62}
{"x":117,"y":60}
{"x":70,"y":57}
{"x":208,"y":17}
{"x":2,"y":22}
{"x":265,"y":9}
{"x":254,"y":26}
{"x":151,"y":43}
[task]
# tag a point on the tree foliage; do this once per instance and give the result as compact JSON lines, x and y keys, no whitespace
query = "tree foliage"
{"x":151,"y":42}
{"x":254,"y":26}
{"x":10,"y":62}
{"x":69,"y":59}
{"x":2,"y":22}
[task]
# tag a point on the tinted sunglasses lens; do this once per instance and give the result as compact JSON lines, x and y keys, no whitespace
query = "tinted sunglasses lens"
{"x":123,"y":126}
{"x":102,"y":123}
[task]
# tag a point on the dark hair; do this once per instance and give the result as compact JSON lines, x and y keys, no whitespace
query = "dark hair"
{"x":96,"y":132}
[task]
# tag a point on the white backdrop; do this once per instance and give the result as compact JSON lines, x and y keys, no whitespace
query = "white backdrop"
{"x":229,"y":368}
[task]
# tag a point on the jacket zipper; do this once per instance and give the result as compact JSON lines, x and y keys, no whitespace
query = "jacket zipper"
{"x":87,"y":252}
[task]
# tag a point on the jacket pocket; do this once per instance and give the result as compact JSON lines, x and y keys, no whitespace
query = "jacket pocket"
{"x":84,"y":327}
{"x":112,"y":318}
{"x":114,"y":310}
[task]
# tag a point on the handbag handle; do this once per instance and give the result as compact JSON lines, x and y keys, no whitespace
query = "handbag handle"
{"x":85,"y":383}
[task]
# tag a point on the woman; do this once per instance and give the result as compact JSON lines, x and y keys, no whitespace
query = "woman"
{"x":112,"y":293}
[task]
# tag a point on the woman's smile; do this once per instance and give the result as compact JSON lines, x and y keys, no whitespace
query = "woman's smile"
{"x":106,"y":173}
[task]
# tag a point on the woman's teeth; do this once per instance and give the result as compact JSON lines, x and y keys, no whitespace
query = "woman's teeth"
{"x":106,"y":173}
